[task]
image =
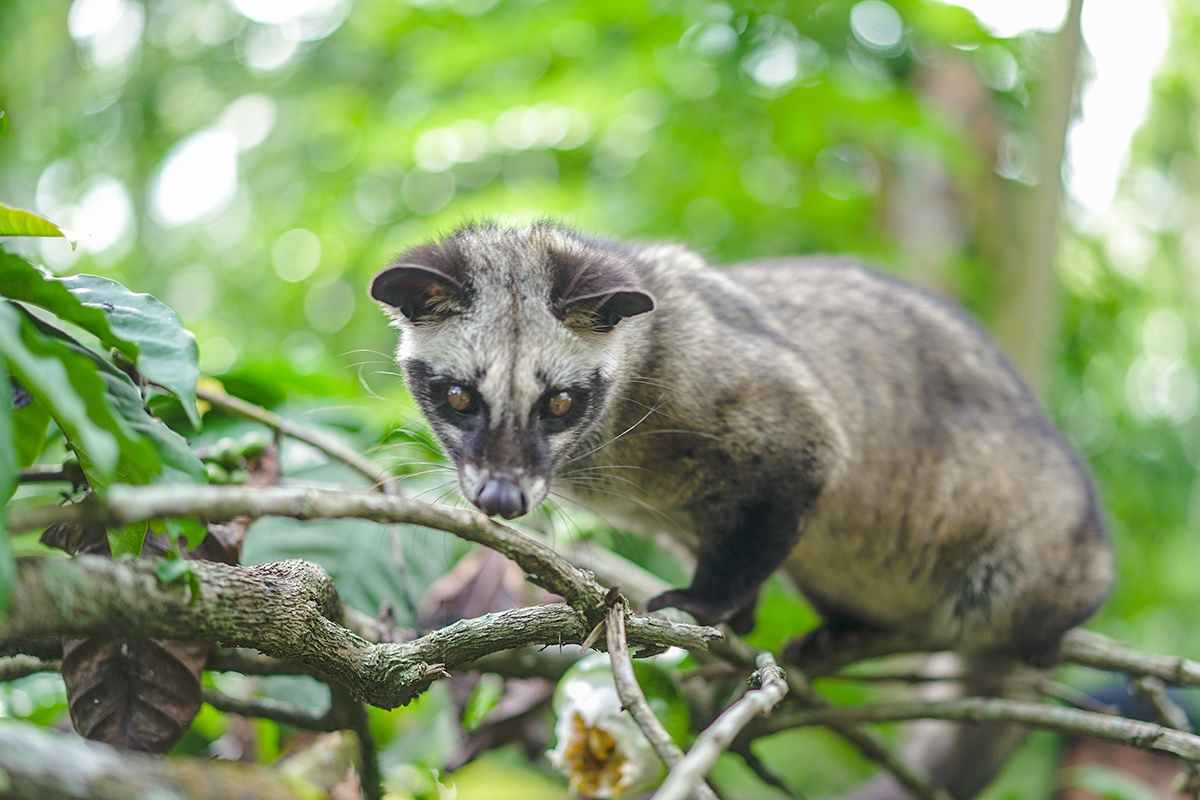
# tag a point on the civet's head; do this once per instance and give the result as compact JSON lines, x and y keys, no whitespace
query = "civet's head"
{"x":510,"y":343}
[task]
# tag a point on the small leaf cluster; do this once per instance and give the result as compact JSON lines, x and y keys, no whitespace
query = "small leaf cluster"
{"x":228,"y":460}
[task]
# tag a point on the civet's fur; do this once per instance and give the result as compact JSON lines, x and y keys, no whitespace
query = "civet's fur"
{"x":804,"y":412}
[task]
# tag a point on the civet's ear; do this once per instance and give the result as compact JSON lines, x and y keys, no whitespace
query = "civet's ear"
{"x":602,"y":311}
{"x":596,"y":290}
{"x":418,"y":292}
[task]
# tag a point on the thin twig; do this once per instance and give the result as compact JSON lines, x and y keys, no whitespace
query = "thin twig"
{"x":764,"y":773}
{"x":1146,"y":735}
{"x":634,"y":701}
{"x":353,"y":714}
{"x":266,"y":708}
{"x":370,"y":776}
{"x":1169,"y":713}
{"x":1093,"y":650}
{"x":1069,"y":695}
{"x":717,"y":737}
{"x":1166,"y":711}
{"x":1000,"y":684}
{"x":51,"y":474}
{"x":15,"y":667}
{"x":380,"y":478}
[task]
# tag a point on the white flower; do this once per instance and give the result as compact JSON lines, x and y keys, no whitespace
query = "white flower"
{"x":599,"y":747}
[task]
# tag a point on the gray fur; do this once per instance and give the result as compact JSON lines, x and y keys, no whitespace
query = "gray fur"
{"x":807,"y":413}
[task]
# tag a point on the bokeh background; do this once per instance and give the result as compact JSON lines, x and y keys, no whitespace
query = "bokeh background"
{"x":252,"y":163}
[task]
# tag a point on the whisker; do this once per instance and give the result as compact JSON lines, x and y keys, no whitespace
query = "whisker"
{"x":574,"y":528}
{"x":407,"y":475}
{"x":602,"y":467}
{"x":446,"y":487}
{"x":611,"y":440}
{"x":373,"y":352}
{"x":588,"y":481}
{"x":645,"y":506}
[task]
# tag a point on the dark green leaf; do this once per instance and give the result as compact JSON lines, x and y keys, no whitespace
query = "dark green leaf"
{"x":3,"y":125}
{"x":17,"y":222}
{"x":9,"y":463}
{"x":166,"y":352}
{"x":138,"y":325}
{"x":32,"y":284}
{"x":117,"y":408}
{"x":69,"y":387}
{"x":30,"y":425}
{"x":179,"y":463}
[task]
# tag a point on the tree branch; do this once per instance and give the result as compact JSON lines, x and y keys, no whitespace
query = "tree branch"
{"x":288,"y":610}
{"x":1027,"y":314}
{"x":1167,"y":712}
{"x":911,"y":776}
{"x":352,"y":714}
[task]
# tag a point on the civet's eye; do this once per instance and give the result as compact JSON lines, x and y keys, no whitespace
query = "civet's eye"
{"x":558,"y":404}
{"x":460,"y":398}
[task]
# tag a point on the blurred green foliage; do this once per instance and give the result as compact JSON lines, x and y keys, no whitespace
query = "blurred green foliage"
{"x":252,"y":164}
{"x":254,"y":174}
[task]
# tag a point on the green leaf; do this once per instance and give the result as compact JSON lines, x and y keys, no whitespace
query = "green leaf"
{"x":179,"y":464}
{"x":165,"y":352}
{"x":172,"y":569}
{"x":192,"y":531}
{"x":27,"y":282}
{"x":3,"y":125}
{"x":70,"y":389}
{"x":118,"y":407}
{"x":147,"y":332}
{"x":30,"y":425}
{"x":8,"y":570}
{"x":17,"y":222}
{"x":127,"y":540}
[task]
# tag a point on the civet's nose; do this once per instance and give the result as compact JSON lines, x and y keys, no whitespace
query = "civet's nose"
{"x":502,"y":496}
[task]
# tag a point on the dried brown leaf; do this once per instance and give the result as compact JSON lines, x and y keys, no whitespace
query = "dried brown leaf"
{"x":140,"y":694}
